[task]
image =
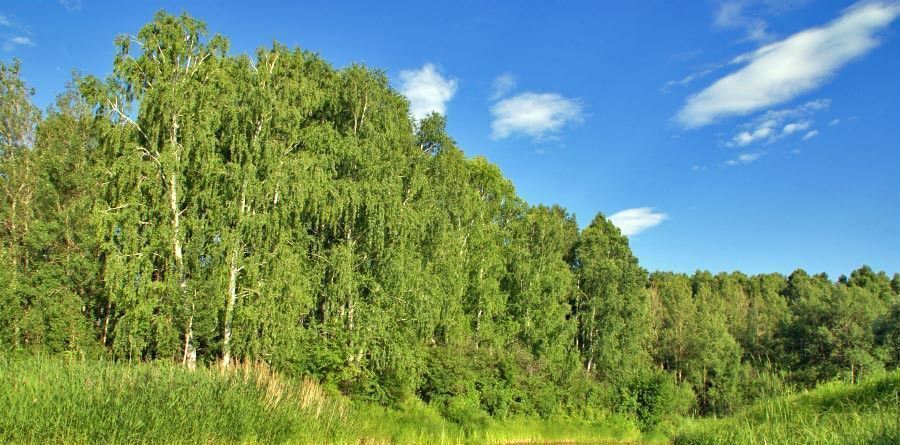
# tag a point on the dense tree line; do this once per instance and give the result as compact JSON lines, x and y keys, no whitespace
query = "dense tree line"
{"x":201,"y":206}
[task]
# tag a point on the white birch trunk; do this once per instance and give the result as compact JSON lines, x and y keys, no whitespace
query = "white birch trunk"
{"x":231,"y":300}
{"x":189,"y":357}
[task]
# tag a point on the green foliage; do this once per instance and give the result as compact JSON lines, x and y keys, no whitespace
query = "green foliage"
{"x":19,"y":115}
{"x":830,"y":331}
{"x":655,"y":396}
{"x":47,"y":247}
{"x":887,"y":336}
{"x":612,"y":303}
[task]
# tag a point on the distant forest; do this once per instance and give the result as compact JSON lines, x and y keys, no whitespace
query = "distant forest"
{"x":202,"y":207}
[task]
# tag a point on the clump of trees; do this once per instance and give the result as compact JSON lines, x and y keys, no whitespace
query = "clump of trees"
{"x":198,"y":206}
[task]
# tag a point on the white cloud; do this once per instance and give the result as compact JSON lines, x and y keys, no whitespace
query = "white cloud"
{"x":634,"y":221}
{"x":834,"y":122}
{"x":794,"y":127}
{"x":745,"y":158}
{"x":732,"y":14}
{"x":534,"y":114}
{"x":810,"y":135}
{"x":71,"y":5}
{"x":4,"y":21}
{"x":763,"y":131}
{"x":11,"y":44}
{"x":503,"y":85}
{"x":427,"y":90}
{"x":807,"y":109}
{"x":776,"y":124}
{"x":783,"y":70}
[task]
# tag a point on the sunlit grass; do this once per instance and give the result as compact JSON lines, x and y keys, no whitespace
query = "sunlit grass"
{"x":833,"y":413}
{"x":51,"y":401}
{"x":57,"y":401}
{"x":423,"y":425}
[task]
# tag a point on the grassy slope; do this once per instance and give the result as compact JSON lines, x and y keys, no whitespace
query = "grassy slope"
{"x":78,"y":402}
{"x":833,"y":413}
{"x":53,"y":401}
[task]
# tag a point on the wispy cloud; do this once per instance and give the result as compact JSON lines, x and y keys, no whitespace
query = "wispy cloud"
{"x":12,"y":43}
{"x":834,"y":122}
{"x":745,"y":158}
{"x":427,"y":90}
{"x":503,"y":85}
{"x":17,"y":35}
{"x":750,"y":16}
{"x":733,"y":14}
{"x":765,"y":131}
{"x":685,"y":55}
{"x":634,"y":221}
{"x":810,"y":135}
{"x":794,"y":127}
{"x":781,"y":71}
{"x":776,"y":124}
{"x":538,"y":115}
{"x":71,"y":5}
{"x":687,"y":80}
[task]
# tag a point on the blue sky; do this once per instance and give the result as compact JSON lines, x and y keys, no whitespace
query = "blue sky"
{"x":752,"y":135}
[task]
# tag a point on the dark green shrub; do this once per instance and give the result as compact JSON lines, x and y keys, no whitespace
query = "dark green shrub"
{"x":653,"y":397}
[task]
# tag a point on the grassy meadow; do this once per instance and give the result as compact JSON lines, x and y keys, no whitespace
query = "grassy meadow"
{"x":832,"y":413}
{"x":55,"y":401}
{"x":59,"y":401}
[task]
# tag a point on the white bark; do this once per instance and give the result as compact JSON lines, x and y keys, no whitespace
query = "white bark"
{"x":231,"y":300}
{"x":189,"y":357}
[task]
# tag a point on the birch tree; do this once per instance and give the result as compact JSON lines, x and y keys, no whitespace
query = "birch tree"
{"x":171,"y":74}
{"x":613,"y":303}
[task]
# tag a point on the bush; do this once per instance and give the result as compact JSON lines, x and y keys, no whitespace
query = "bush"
{"x":653,"y":397}
{"x":465,"y":411}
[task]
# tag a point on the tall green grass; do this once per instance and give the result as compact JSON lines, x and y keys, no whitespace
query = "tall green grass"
{"x":51,"y":401}
{"x":57,"y":401}
{"x":423,"y":425}
{"x":833,"y":413}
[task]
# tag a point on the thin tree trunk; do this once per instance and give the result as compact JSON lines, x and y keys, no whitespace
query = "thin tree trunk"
{"x":233,"y":271}
{"x":231,"y":299}
{"x":176,"y":222}
{"x":190,"y":355}
{"x":189,"y":358}
{"x":106,"y":322}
